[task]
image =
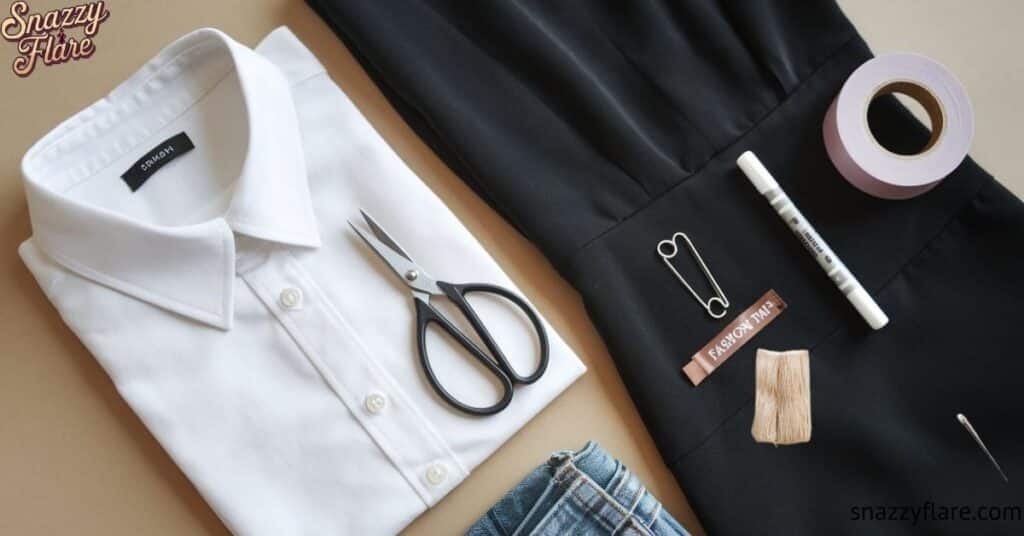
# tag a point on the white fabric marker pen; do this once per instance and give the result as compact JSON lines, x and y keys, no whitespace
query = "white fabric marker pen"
{"x":827,"y":259}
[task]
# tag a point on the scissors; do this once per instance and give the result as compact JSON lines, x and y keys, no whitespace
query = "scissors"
{"x":423,"y":287}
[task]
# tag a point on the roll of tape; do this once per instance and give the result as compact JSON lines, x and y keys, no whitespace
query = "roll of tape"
{"x":872,"y":168}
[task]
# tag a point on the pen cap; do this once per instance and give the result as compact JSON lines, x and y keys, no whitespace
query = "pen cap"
{"x":866,"y":306}
{"x":755,"y":171}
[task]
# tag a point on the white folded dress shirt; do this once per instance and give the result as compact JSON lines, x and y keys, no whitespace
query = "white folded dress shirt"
{"x":264,"y":345}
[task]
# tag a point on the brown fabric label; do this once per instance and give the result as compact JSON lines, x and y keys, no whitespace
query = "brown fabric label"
{"x":734,"y":336}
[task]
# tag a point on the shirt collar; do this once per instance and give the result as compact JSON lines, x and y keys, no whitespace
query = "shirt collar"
{"x":186,"y":269}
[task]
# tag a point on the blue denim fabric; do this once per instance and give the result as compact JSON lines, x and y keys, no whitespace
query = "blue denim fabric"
{"x":586,"y":493}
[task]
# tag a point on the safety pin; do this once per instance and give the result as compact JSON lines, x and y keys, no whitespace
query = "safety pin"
{"x":970,"y":430}
{"x":668,"y":249}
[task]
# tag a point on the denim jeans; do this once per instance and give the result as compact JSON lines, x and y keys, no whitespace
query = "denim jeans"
{"x":581,"y":494}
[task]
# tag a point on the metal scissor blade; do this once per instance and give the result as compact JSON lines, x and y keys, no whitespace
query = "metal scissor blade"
{"x":406,"y":270}
{"x":383,"y":235}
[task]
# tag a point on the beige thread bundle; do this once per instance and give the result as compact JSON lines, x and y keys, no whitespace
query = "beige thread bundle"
{"x":782,"y":399}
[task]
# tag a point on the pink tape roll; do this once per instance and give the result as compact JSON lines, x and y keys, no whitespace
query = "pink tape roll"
{"x":877,"y":171}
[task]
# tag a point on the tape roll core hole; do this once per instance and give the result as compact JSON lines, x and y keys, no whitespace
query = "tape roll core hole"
{"x":914,"y":96}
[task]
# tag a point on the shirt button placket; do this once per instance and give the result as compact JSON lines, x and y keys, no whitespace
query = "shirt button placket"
{"x":384,"y":413}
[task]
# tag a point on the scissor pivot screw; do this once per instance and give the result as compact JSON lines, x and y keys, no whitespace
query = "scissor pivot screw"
{"x":411,"y":275}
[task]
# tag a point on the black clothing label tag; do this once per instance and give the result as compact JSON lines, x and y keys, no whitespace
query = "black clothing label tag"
{"x":156,"y":158}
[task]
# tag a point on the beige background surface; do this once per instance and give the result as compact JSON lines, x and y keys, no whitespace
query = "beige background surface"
{"x":74,"y":458}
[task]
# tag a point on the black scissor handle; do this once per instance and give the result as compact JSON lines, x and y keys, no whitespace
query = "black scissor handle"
{"x":425,"y":314}
{"x":457,"y":294}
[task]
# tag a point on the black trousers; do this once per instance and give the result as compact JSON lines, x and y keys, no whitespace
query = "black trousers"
{"x":600,"y":128}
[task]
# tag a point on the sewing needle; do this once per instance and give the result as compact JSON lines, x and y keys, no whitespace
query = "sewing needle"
{"x":970,"y":430}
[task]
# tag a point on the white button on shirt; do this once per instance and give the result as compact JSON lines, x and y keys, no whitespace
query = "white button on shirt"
{"x":375,"y":403}
{"x":436,"y":474}
{"x":266,"y":348}
{"x":291,"y":298}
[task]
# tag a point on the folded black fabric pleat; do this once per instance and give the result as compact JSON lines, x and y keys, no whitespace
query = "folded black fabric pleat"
{"x":600,"y":128}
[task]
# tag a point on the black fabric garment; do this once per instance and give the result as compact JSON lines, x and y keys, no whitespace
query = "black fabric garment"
{"x":600,"y":128}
